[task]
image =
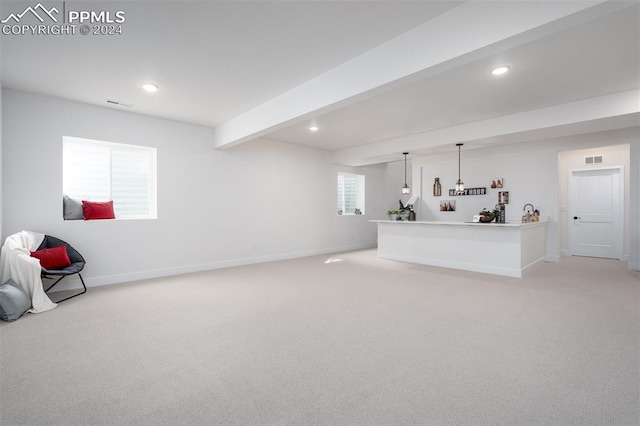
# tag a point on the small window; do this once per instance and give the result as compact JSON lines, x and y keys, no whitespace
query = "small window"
{"x":105,"y":171}
{"x":350,"y":194}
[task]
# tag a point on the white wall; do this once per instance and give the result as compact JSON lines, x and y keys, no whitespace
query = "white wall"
{"x":1,"y":139}
{"x":634,"y":249}
{"x":524,"y":168}
{"x":530,"y":172}
{"x":391,"y":191}
{"x":260,"y":201}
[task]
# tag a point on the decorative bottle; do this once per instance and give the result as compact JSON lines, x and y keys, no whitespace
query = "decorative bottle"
{"x":437,"y":189}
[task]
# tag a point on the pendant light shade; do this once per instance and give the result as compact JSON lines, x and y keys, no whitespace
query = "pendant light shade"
{"x":405,"y":187}
{"x":459,"y":183}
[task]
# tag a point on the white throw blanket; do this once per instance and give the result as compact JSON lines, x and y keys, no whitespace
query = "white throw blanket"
{"x":16,"y":263}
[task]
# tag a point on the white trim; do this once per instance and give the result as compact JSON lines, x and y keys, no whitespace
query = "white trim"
{"x":70,"y":147}
{"x":359,"y":192}
{"x":553,"y":258}
{"x":73,"y":284}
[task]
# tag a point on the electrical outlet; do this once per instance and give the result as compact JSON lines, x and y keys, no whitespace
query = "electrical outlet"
{"x":256,"y":247}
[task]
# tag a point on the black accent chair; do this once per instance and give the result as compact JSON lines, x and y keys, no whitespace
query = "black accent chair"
{"x":77,"y":264}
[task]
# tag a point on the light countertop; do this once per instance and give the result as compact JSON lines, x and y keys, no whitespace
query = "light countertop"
{"x":487,"y":225}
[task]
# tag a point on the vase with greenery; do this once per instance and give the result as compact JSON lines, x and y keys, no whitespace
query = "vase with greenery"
{"x":394,"y":214}
{"x":487,"y":216}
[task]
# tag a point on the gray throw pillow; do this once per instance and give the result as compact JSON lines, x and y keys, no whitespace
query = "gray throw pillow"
{"x":14,"y":301}
{"x":72,"y":209}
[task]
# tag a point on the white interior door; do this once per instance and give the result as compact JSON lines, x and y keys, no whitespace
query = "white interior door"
{"x":596,"y":223}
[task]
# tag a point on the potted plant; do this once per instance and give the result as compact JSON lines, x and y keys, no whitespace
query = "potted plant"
{"x":394,"y":214}
{"x":487,"y":216}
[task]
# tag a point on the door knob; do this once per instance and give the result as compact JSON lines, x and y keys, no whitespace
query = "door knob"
{"x":576,"y":218}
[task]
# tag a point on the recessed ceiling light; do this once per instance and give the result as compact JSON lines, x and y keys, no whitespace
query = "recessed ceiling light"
{"x":151,"y":88}
{"x":502,"y":69}
{"x":314,"y":128}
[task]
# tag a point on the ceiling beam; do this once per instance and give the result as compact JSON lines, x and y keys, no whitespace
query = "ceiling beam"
{"x":468,"y":32}
{"x":606,"y":112}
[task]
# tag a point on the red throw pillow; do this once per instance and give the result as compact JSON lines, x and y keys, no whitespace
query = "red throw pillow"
{"x":95,"y":210}
{"x":53,"y":258}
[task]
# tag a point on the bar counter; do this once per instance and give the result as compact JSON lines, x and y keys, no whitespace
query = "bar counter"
{"x":495,"y":248}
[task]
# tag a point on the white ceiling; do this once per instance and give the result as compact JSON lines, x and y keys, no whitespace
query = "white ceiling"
{"x":212,"y":60}
{"x":588,"y":60}
{"x":220,"y":63}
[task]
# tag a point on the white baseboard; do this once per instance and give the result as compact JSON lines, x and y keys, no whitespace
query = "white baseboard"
{"x":554,"y":258}
{"x":73,"y":283}
{"x":487,"y":269}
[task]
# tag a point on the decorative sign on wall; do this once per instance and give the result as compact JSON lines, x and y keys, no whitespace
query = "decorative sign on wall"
{"x":469,"y":191}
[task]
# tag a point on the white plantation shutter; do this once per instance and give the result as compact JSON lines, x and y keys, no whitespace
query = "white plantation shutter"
{"x":350,"y":193}
{"x":130,"y":182}
{"x":86,"y":171}
{"x":103,"y":171}
{"x":341,"y":192}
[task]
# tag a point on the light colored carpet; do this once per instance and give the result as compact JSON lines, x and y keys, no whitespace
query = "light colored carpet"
{"x":342,"y":339}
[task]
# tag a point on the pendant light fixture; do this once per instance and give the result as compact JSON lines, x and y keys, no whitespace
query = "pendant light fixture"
{"x":459,"y":183}
{"x":405,"y":187}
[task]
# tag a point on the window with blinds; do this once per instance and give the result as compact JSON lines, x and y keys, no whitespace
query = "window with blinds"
{"x":103,"y":171}
{"x":350,"y":194}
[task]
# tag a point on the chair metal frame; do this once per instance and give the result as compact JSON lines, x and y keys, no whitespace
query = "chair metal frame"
{"x":77,"y":264}
{"x":84,"y":287}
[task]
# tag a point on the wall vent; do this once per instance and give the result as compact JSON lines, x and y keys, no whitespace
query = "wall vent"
{"x":593,"y":160}
{"x":109,"y":101}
